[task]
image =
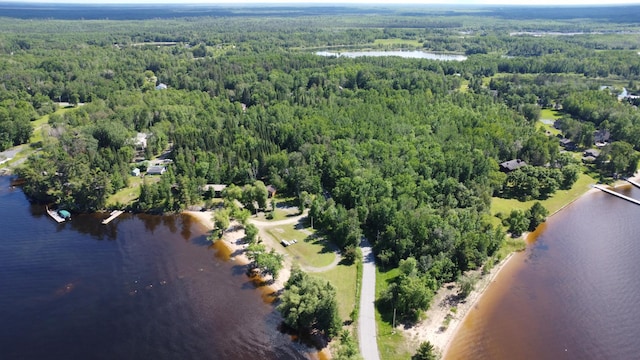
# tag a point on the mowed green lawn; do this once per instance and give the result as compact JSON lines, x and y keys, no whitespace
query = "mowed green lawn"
{"x":392,"y":344}
{"x":42,"y":124}
{"x":129,"y":194}
{"x":553,"y":204}
{"x":309,"y":250}
{"x":344,"y":279}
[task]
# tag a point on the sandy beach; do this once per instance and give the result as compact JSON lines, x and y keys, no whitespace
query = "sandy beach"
{"x":439,"y":331}
{"x":435,"y":327}
{"x":233,"y":241}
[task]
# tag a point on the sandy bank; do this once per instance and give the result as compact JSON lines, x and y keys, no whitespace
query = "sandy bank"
{"x":233,"y":241}
{"x":440,"y":331}
{"x":435,"y":328}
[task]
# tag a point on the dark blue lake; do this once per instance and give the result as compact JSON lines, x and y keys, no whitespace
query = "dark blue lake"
{"x":141,"y":287}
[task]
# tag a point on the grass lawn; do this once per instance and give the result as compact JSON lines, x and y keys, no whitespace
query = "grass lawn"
{"x":127,"y":195}
{"x":553,"y":204}
{"x":391,"y":344}
{"x":550,"y":114}
{"x":546,"y":115}
{"x":343,"y":278}
{"x":42,"y":124}
{"x":415,"y":43}
{"x":308,"y":251}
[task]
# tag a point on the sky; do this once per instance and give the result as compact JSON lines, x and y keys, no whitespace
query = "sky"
{"x":378,"y":2}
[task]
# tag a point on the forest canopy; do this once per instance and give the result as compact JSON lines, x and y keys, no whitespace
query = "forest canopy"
{"x":406,"y":152}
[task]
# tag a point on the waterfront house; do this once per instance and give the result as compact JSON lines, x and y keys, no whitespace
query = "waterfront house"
{"x":215,"y":189}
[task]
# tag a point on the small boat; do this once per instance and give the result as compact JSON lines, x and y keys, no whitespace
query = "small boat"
{"x":59,"y":216}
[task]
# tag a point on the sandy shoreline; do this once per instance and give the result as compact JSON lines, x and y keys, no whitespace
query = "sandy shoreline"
{"x":233,"y":241}
{"x":434,"y":328}
{"x":440,"y":332}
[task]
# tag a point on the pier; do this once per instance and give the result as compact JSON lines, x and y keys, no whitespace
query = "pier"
{"x":633,"y":183}
{"x":114,"y":214}
{"x":600,"y":187}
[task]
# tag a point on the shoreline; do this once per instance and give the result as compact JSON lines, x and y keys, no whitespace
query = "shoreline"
{"x":441,"y":332}
{"x":233,"y":242}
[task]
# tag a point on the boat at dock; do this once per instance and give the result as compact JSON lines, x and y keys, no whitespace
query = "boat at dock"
{"x":59,"y":216}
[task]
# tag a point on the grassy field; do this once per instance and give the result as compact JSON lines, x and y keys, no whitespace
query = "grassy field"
{"x":391,"y":344}
{"x":344,"y":279}
{"x":308,"y":251}
{"x":42,"y":125}
{"x":391,"y":42}
{"x":127,"y":195}
{"x":553,"y":204}
{"x":549,"y":115}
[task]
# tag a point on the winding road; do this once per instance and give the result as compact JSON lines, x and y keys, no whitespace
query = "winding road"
{"x":367,"y":321}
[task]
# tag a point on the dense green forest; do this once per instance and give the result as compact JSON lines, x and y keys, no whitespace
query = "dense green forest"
{"x":403,"y":151}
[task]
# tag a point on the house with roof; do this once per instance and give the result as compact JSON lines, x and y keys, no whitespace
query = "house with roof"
{"x":601,"y":137}
{"x":568,"y":144}
{"x":511,"y":165}
{"x":161,"y":86}
{"x":156,"y":170}
{"x":214,"y":189}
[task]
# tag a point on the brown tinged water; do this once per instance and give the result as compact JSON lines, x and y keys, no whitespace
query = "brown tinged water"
{"x":571,"y":295}
{"x":141,"y":287}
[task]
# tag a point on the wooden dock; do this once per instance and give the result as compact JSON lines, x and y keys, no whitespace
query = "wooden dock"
{"x":609,"y":191}
{"x":633,"y":183}
{"x":114,"y":214}
{"x":55,"y":216}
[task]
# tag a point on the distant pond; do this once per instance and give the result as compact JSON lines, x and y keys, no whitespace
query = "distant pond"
{"x":403,"y":54}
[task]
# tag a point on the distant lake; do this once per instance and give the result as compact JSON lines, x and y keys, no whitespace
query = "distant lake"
{"x":403,"y":54}
{"x":141,"y":287}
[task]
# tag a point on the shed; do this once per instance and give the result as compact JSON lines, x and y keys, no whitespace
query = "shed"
{"x":161,"y":86}
{"x":511,"y":165}
{"x":271,"y":191}
{"x":135,"y":172}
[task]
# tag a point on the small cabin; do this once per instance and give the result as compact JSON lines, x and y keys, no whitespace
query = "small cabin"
{"x":135,"y":172}
{"x":271,"y":191}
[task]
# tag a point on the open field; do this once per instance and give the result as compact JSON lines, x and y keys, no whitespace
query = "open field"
{"x":344,"y":279}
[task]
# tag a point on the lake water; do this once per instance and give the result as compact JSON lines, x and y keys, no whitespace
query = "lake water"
{"x":571,"y":295}
{"x":403,"y":54}
{"x":142,"y":287}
